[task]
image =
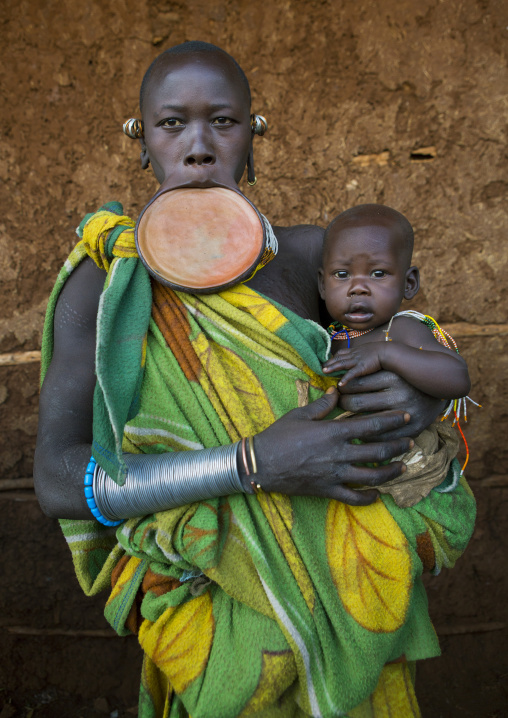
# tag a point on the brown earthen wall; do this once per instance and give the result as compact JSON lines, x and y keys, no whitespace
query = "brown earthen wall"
{"x":391,"y":101}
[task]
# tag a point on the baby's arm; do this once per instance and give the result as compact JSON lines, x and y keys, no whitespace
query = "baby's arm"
{"x":414,"y":354}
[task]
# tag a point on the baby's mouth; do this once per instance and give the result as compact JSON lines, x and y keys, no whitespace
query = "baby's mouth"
{"x":358,"y":314}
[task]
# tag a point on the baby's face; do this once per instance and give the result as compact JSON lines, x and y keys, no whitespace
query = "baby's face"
{"x":363,"y":278}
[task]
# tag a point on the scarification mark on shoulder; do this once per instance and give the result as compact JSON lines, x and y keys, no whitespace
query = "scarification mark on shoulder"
{"x":69,"y":316}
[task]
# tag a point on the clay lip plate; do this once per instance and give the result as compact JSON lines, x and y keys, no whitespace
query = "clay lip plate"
{"x":200,"y":239}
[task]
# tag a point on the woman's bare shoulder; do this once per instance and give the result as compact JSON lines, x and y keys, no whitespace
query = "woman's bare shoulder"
{"x":77,"y":305}
{"x":300,"y":232}
{"x":304,"y":240}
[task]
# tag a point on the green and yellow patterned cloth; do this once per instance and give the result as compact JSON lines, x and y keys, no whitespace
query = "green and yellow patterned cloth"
{"x":262,"y":605}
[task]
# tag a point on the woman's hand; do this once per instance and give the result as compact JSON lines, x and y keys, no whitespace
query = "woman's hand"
{"x":301,"y":455}
{"x":385,"y":392}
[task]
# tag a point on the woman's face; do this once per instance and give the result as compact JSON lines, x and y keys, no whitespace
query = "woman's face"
{"x":196,"y":119}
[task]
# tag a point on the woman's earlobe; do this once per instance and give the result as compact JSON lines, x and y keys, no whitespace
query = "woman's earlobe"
{"x":145,"y":159}
{"x":251,"y":174}
{"x":412,"y":282}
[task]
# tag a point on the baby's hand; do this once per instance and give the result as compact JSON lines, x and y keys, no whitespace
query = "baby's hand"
{"x":362,"y":360}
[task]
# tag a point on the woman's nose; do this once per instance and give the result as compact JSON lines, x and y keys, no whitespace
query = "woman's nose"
{"x":200,"y":150}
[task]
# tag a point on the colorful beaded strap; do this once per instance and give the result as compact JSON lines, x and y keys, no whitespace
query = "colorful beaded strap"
{"x":456,"y":407}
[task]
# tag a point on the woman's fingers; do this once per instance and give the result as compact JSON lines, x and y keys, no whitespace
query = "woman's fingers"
{"x":362,"y":427}
{"x":367,"y":476}
{"x":354,"y":498}
{"x":379,"y":451}
{"x":383,"y":391}
{"x":351,"y":374}
{"x":318,"y":409}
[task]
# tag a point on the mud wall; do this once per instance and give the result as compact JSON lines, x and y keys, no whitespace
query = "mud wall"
{"x":399,"y":102}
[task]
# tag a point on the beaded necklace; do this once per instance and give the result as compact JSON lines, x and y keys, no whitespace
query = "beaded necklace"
{"x":339,"y":331}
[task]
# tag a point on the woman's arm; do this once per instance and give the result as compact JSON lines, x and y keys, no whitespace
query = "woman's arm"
{"x":65,"y":409}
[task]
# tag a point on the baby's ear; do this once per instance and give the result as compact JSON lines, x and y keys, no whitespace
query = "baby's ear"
{"x":412,"y":282}
{"x":321,"y":283}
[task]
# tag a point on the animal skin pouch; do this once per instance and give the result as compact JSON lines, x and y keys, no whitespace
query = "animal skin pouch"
{"x":202,"y":239}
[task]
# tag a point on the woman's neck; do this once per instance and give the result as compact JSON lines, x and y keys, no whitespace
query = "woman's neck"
{"x":291,"y":278}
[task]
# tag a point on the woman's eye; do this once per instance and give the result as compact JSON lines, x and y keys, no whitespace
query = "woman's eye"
{"x":171,"y":122}
{"x":222,"y":121}
{"x":378,"y":273}
{"x":341,"y":274}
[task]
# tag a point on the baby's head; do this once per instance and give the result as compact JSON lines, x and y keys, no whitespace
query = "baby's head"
{"x":366,"y":272}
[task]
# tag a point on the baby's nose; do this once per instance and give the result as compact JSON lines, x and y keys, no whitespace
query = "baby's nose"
{"x":358,"y":287}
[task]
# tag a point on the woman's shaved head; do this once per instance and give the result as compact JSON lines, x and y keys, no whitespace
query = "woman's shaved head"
{"x":194,"y":47}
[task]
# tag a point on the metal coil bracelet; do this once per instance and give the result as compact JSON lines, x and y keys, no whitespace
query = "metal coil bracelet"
{"x":157,"y":482}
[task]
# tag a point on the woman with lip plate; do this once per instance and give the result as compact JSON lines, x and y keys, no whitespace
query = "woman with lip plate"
{"x":258,"y":580}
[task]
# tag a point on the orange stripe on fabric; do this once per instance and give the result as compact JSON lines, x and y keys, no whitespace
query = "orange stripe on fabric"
{"x":170,"y":316}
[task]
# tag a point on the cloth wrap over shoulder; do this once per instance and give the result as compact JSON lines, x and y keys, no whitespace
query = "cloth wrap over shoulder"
{"x":259,"y":604}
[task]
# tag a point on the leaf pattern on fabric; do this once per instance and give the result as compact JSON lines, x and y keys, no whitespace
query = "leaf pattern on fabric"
{"x":370,"y":564}
{"x":204,"y":535}
{"x":394,"y":696}
{"x":260,"y":308}
{"x":237,"y":575}
{"x":155,"y":693}
{"x":425,"y":551}
{"x":278,"y":671}
{"x":279,"y":512}
{"x":242,"y":396}
{"x":122,"y":575}
{"x":179,"y":642}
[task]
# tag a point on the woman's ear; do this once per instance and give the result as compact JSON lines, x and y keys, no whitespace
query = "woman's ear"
{"x":412,"y":282}
{"x":145,"y":159}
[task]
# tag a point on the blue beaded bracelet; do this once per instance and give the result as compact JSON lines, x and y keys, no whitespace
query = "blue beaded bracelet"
{"x":90,"y":499}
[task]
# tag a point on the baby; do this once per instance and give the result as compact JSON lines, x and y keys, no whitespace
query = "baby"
{"x":366,"y":273}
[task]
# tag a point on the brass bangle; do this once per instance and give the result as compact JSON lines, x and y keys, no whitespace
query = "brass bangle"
{"x":244,"y":457}
{"x":253,"y":455}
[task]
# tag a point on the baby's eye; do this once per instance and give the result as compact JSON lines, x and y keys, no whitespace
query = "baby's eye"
{"x":378,"y":273}
{"x":222,"y":121}
{"x":171,"y":122}
{"x":341,"y":274}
